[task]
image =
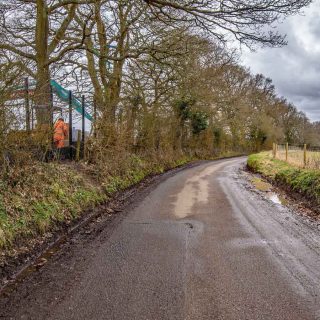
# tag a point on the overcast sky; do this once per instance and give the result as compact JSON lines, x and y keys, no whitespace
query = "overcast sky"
{"x":295,"y":68}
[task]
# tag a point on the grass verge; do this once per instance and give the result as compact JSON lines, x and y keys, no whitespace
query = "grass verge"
{"x":305,"y":182}
{"x":39,"y":198}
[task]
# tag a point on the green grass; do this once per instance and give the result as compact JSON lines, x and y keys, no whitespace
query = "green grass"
{"x":33,"y":200}
{"x":303,"y":181}
{"x":36,"y":199}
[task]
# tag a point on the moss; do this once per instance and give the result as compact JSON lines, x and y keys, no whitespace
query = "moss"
{"x":3,"y":225}
{"x":260,"y":184}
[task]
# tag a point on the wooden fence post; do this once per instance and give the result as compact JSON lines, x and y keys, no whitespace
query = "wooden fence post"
{"x":305,"y":155}
{"x":287,"y":150}
{"x":275,"y":149}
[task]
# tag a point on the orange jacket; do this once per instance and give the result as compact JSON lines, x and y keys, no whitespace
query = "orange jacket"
{"x":60,"y":130}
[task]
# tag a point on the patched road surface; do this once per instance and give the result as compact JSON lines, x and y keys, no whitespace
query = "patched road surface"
{"x":199,"y":244}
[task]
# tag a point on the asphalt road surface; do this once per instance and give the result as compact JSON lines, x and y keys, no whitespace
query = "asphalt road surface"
{"x":198,"y":245}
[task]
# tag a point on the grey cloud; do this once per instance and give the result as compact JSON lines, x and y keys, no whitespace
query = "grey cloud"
{"x":295,"y":69}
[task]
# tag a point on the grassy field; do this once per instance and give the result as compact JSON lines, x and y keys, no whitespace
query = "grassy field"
{"x":296,"y":157}
{"x":304,"y":181}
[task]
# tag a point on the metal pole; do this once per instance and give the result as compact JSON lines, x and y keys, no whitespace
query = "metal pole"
{"x":51,"y":106}
{"x":51,"y":117}
{"x":94,"y":116}
{"x":26,"y":85}
{"x":83,"y":120}
{"x":78,"y":145}
{"x":70,"y":123}
{"x":32,"y":118}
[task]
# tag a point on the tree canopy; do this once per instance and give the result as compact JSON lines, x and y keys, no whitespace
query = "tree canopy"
{"x":160,"y":73}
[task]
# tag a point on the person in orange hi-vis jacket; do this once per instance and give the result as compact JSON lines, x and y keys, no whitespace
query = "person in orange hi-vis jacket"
{"x":60,"y":133}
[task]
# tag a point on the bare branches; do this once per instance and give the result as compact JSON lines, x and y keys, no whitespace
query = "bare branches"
{"x":15,"y":50}
{"x":66,"y":3}
{"x":59,"y":34}
{"x":244,"y":20}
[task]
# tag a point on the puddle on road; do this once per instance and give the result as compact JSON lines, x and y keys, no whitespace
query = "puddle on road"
{"x":275,"y":198}
{"x":260,"y":184}
{"x":266,"y":188}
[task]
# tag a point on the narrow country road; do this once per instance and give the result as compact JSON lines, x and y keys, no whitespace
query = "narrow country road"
{"x":198,"y":245}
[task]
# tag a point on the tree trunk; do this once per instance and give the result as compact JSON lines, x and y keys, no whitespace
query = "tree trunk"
{"x":42,"y":92}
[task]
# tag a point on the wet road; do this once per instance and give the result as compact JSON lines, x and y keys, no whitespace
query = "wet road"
{"x":200,"y":245}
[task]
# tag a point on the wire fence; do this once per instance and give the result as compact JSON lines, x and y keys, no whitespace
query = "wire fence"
{"x":20,"y":131}
{"x":298,"y":155}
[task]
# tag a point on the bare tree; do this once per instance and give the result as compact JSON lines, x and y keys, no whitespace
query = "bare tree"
{"x":34,"y":31}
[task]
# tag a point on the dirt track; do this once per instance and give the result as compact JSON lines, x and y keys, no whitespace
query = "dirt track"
{"x":197,"y":244}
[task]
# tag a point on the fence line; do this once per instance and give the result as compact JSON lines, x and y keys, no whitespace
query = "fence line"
{"x":62,"y":102}
{"x":299,"y":155}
